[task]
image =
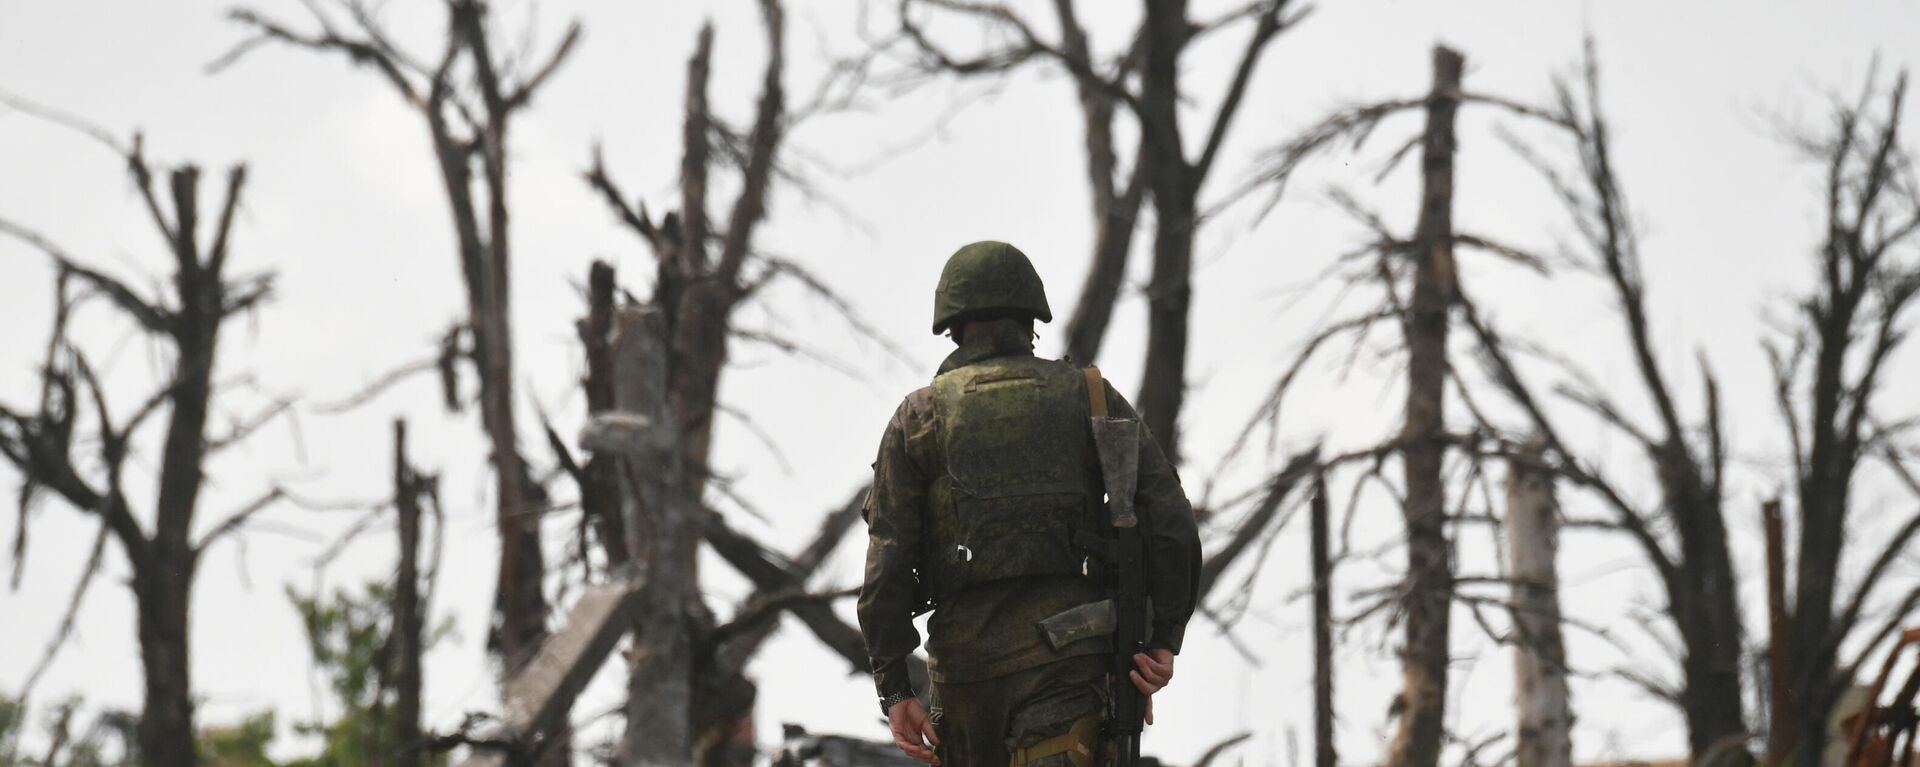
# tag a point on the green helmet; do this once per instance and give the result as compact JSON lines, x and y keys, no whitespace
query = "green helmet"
{"x":988,"y":279}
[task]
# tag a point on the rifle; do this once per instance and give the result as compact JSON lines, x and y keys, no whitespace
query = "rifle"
{"x":1123,"y":558}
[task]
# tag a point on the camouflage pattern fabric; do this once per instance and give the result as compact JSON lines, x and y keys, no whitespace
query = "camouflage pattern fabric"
{"x":1030,"y":714}
{"x":990,"y":629}
{"x":986,"y":280}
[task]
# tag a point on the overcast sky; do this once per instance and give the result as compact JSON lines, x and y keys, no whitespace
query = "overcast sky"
{"x":344,"y":205}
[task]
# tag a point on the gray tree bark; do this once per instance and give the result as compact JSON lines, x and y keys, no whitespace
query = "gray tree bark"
{"x":1545,"y":716}
{"x":662,"y":536}
{"x":1429,"y":584}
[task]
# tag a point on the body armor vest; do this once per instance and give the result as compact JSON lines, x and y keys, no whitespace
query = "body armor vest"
{"x":1020,"y":475}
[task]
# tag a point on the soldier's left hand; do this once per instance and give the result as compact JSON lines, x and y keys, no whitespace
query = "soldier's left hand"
{"x":1155,"y":670}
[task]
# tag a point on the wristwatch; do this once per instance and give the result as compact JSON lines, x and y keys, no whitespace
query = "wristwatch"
{"x":887,"y":702}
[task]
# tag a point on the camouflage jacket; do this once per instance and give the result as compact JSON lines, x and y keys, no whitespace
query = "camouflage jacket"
{"x":989,"y":630}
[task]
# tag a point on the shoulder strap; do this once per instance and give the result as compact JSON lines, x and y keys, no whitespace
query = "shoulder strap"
{"x":1096,"y":393}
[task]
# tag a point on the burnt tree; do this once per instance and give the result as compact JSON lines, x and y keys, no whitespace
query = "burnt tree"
{"x":679,"y":341}
{"x":1684,"y":535}
{"x":1320,"y":556}
{"x":1429,"y":586}
{"x":73,"y":445}
{"x":1829,"y":370}
{"x":1418,"y":280}
{"x":467,"y":97}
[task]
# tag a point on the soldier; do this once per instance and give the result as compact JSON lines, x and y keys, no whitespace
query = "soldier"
{"x":981,"y":482}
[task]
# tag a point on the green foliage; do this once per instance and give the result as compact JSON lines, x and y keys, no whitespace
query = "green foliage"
{"x":347,"y":634}
{"x":241,"y":745}
{"x":78,"y":748}
{"x":10,"y":715}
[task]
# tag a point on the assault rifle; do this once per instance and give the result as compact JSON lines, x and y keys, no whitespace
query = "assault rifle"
{"x":1123,"y":558}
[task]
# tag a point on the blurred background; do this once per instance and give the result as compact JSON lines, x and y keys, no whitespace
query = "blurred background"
{"x":1545,"y":303}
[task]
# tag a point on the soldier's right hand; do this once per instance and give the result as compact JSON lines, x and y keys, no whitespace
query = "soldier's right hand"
{"x":912,"y":731}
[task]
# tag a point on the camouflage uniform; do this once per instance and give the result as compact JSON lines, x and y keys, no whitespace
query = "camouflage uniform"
{"x":998,"y":685}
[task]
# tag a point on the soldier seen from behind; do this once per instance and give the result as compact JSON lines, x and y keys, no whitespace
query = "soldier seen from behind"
{"x":1058,"y":606}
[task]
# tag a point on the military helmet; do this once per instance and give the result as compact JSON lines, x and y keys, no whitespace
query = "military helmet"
{"x":988,"y":279}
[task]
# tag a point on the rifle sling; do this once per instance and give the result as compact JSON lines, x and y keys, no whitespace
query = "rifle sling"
{"x":1096,"y":393}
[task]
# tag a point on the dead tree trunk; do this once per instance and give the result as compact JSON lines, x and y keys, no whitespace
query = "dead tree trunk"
{"x":484,"y":255}
{"x":467,"y":100}
{"x":1324,"y":754}
{"x":42,"y":444}
{"x":599,"y":478}
{"x":1175,"y":182}
{"x":1116,"y":210}
{"x":1169,"y":293}
{"x":1705,"y":607}
{"x":166,"y":719}
{"x":1429,"y":585}
{"x":661,"y":535}
{"x":1545,"y":722}
{"x":407,"y":617}
{"x":1780,"y":718}
{"x":683,"y":704}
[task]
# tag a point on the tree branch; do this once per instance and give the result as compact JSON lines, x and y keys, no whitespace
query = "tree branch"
{"x":148,"y":314}
{"x":763,"y":144}
{"x":523,"y":94}
{"x":239,"y":518}
{"x":1269,"y":26}
{"x":1279,"y":486}
{"x":762,"y":608}
{"x":363,"y":52}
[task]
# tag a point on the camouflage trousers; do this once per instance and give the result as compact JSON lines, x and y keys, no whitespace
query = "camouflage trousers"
{"x":1048,"y":716}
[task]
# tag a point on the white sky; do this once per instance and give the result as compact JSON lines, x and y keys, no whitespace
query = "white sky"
{"x":344,"y":204}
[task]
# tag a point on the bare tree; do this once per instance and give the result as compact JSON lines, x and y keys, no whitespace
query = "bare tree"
{"x":1418,"y":281}
{"x":54,"y":453}
{"x":1419,"y":287}
{"x":1828,"y":370}
{"x":599,"y":478}
{"x":1429,"y":586}
{"x":722,"y":696}
{"x":1684,"y":535}
{"x":1853,"y":319}
{"x":467,"y":96}
{"x":679,"y":350}
{"x":1161,"y":165}
{"x":690,"y":699}
{"x":411,"y":488}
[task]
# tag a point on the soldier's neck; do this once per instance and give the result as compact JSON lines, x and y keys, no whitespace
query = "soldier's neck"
{"x":999,"y":338}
